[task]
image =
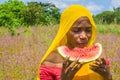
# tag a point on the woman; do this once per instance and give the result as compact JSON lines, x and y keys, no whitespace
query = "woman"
{"x":77,"y":29}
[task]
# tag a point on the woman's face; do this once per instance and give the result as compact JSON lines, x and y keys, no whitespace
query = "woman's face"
{"x":80,"y":33}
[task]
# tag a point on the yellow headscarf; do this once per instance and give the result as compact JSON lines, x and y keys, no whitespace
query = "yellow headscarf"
{"x":68,"y":17}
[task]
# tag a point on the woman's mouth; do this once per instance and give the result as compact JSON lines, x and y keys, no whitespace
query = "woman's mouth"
{"x":83,"y":44}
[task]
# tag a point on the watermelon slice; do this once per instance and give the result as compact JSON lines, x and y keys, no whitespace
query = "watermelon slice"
{"x":86,"y":54}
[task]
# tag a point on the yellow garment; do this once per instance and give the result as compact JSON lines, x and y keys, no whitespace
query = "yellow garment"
{"x":68,"y":17}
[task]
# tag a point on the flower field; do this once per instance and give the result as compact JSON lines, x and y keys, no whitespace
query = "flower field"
{"x":20,"y":54}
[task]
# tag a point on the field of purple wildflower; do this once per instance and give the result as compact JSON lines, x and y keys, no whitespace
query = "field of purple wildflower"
{"x":20,"y":54}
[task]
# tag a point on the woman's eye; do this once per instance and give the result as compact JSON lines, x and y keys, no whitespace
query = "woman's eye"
{"x":76,"y":30}
{"x":89,"y":30}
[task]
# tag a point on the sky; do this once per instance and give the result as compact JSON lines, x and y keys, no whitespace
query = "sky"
{"x":95,"y":6}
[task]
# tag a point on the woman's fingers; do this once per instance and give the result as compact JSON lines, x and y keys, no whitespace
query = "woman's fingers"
{"x":77,"y":67}
{"x":71,"y":66}
{"x":73,"y":63}
{"x":103,"y":61}
{"x":100,"y":67}
{"x":94,"y":68}
{"x":100,"y":62}
{"x":66,"y":63}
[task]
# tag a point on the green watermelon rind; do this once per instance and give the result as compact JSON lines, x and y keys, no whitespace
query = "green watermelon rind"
{"x":81,"y":60}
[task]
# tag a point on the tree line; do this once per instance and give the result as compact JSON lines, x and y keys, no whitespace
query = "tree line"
{"x":108,"y":17}
{"x":15,"y":13}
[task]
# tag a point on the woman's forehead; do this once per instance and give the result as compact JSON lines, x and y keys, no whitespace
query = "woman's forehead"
{"x":84,"y":18}
{"x":78,"y":21}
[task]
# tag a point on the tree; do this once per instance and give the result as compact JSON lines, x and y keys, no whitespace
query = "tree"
{"x":51,"y":13}
{"x":105,"y":17}
{"x":41,"y":13}
{"x":108,"y":16}
{"x":15,"y":13}
{"x":11,"y":13}
{"x":117,"y":15}
{"x":33,"y":14}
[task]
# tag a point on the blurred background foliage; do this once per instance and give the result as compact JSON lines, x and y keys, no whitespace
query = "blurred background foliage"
{"x":108,"y":17}
{"x":15,"y":14}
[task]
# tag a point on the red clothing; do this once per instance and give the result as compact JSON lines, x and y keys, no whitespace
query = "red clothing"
{"x":108,"y":62}
{"x":49,"y":73}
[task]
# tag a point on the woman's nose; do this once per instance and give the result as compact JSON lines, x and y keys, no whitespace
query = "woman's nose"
{"x":83,"y":35}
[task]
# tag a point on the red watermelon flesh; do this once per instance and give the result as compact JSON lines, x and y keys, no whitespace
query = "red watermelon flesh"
{"x":86,"y":54}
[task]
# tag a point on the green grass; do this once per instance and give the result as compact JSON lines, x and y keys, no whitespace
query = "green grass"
{"x":111,"y":29}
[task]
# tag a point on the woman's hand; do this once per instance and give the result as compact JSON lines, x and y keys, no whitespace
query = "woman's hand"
{"x":69,"y":69}
{"x":101,"y":68}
